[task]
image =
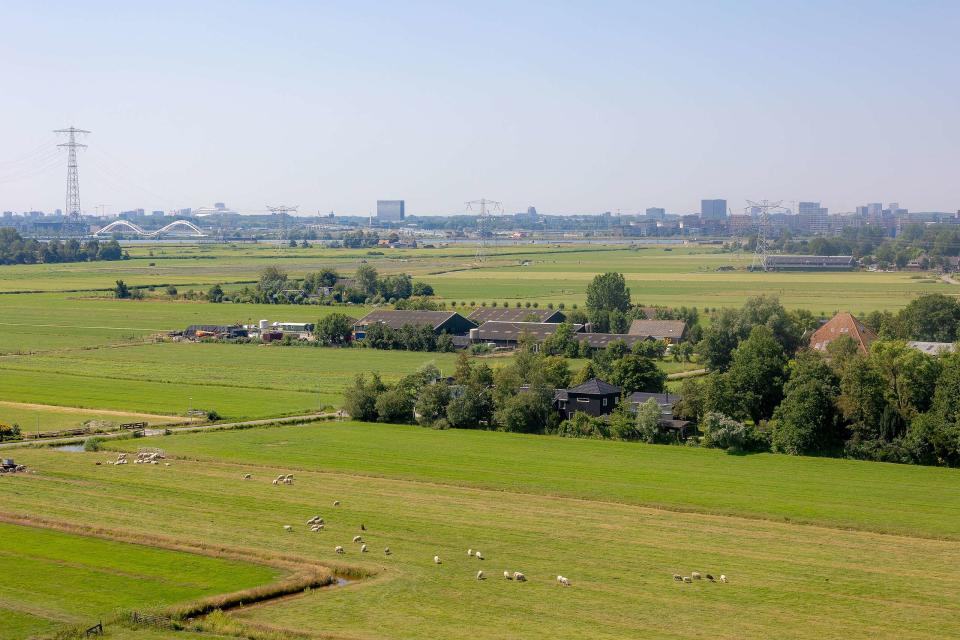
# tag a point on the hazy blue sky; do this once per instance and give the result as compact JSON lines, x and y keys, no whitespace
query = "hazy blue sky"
{"x":568,"y":106}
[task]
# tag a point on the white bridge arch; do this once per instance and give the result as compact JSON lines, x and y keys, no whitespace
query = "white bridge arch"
{"x":177,"y":226}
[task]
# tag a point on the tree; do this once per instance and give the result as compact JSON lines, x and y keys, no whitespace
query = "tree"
{"x":932,"y":317}
{"x":691,"y":402}
{"x":757,"y":371}
{"x":121,"y":290}
{"x":586,"y":373}
{"x":637,"y":373}
{"x":360,"y":398}
{"x":721,"y":432}
{"x":608,"y":292}
{"x":432,"y":403}
{"x":336,"y":328}
{"x":273,"y":280}
{"x":421,"y":288}
{"x":648,"y":420}
{"x":719,"y":340}
{"x":215,"y":294}
{"x":471,"y":410}
{"x":366,"y":277}
{"x":861,"y":397}
{"x":553,"y":371}
{"x":807,"y":421}
{"x":583,"y":425}
{"x":171,"y":291}
{"x":527,"y":412}
{"x":561,"y":342}
{"x":9,"y":431}
{"x":909,"y":375}
{"x":394,"y":406}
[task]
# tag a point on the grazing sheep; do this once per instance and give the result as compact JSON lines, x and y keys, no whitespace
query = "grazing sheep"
{"x":276,"y":482}
{"x":687,"y":579}
{"x":336,"y":503}
{"x":357,"y":539}
{"x":709,"y":577}
{"x":339,"y":550}
{"x":480,"y":575}
{"x":695,"y":575}
{"x":386,"y":551}
{"x":247,"y":476}
{"x":287,"y":527}
{"x":363,"y":548}
{"x":519,"y":577}
{"x":723,"y":578}
{"x":678,"y":577}
{"x":563,"y":581}
{"x":316,"y":528}
{"x":436,"y":560}
{"x":470,"y":552}
{"x":478,"y":555}
{"x":508,"y":575}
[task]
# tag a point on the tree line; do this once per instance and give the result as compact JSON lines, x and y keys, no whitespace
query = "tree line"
{"x":15,"y":249}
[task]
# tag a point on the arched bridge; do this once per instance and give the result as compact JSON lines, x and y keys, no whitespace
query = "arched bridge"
{"x":179,"y":227}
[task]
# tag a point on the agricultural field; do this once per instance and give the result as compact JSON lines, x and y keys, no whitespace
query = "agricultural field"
{"x":812,"y":547}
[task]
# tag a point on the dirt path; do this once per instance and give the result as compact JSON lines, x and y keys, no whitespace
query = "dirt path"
{"x":949,"y":279}
{"x":99,"y":412}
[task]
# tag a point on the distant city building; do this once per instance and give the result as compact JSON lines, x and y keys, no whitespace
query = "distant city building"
{"x":713,"y":209}
{"x":390,"y":210}
{"x":875,"y":209}
{"x":531,"y":211}
{"x":656,"y":213}
{"x":812,"y":218}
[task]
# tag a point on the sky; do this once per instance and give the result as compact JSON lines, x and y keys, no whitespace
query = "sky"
{"x":566,"y":106}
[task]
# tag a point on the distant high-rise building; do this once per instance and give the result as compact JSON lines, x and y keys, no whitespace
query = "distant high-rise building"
{"x":875,"y":209}
{"x":656,"y":213}
{"x":531,"y":211}
{"x":390,"y":210}
{"x":813,"y":217}
{"x":713,"y":209}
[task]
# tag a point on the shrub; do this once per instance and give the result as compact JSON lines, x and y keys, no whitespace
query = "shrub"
{"x":721,"y":432}
{"x":212,"y":415}
{"x":394,"y":406}
{"x":93,"y":443}
{"x":582,"y":425}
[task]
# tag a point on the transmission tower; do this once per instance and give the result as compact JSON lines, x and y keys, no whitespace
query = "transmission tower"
{"x":283,"y":211}
{"x":763,"y":230}
{"x":72,"y":211}
{"x":486,"y":207}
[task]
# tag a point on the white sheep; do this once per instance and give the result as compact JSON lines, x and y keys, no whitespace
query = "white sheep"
{"x":478,"y":555}
{"x":436,"y":560}
{"x":508,"y":575}
{"x":336,"y":503}
{"x":470,"y":552}
{"x":339,"y":550}
{"x":357,"y":539}
{"x":678,"y":577}
{"x":247,"y":476}
{"x":695,"y":575}
{"x":563,"y":581}
{"x":276,"y":482}
{"x":386,"y":551}
{"x":723,"y":578}
{"x":287,"y":527}
{"x":519,"y":577}
{"x":480,"y":575}
{"x":687,"y":579}
{"x":363,"y":548}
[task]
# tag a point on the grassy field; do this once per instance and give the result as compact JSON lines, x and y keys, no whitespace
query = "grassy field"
{"x":52,"y":418}
{"x":799,"y":538}
{"x":53,"y":579}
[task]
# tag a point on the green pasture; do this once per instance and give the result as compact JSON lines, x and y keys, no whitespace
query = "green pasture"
{"x":799,"y":538}
{"x":54,"y":579}
{"x":53,"y":418}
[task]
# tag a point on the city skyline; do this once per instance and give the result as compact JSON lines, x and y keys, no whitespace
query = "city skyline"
{"x":622,"y":106}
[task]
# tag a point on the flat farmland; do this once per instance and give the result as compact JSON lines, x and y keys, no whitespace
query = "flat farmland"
{"x":800,"y":539}
{"x":238,"y":381}
{"x":50,"y":417}
{"x":57,"y":579}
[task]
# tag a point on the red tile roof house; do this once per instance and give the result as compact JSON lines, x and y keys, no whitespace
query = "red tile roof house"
{"x":843,"y":324}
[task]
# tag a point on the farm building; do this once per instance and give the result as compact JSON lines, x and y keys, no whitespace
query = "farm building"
{"x":843,"y":324}
{"x":507,"y":334}
{"x":506,"y":314}
{"x":602,"y":340}
{"x":932,"y":348}
{"x":669,"y":330}
{"x":440,"y":321}
{"x":808,"y":263}
{"x":594,"y":397}
{"x":215,"y":331}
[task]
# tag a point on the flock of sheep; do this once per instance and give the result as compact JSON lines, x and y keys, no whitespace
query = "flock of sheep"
{"x":696,"y":576}
{"x":317,"y":524}
{"x":143,"y":457}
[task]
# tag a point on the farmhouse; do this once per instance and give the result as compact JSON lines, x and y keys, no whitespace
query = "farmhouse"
{"x":506,"y":314}
{"x":932,"y":348}
{"x":670,"y":331}
{"x":594,"y":397}
{"x":439,"y":321}
{"x":602,"y":340}
{"x":808,"y":263}
{"x":843,"y":324}
{"x":508,"y":334}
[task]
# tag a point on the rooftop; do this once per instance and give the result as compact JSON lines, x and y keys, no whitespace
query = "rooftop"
{"x":595,"y":386}
{"x":659,"y":328}
{"x":505,"y":314}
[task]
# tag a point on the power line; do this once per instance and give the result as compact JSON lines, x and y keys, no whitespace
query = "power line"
{"x":282,"y":211}
{"x":486,"y":206}
{"x":72,"y":210}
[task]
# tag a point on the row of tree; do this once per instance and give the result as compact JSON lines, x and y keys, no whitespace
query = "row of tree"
{"x":15,"y":249}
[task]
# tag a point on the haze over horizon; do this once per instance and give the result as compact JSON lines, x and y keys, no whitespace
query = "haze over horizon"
{"x":580,"y":108}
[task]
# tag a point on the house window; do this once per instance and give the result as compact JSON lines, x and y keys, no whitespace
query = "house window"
{"x":584,"y":400}
{"x":604,"y":402}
